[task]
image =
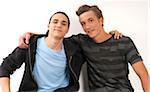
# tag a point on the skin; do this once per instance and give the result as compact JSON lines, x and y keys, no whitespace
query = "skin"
{"x":94,"y":29}
{"x":149,"y":85}
{"x":142,"y":73}
{"x":5,"y":84}
{"x":58,"y":27}
{"x":93,"y":26}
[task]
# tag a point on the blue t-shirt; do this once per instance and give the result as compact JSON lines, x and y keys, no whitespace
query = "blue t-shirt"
{"x":50,"y":68}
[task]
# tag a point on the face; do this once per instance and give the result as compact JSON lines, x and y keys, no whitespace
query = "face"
{"x":91,"y":24}
{"x":58,"y":25}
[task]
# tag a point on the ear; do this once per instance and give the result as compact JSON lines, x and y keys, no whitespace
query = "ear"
{"x":101,"y":21}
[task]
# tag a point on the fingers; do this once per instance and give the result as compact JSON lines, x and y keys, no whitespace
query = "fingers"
{"x":112,"y":32}
{"x":26,"y":37}
{"x":117,"y":35}
{"x":24,"y":40}
{"x":22,"y":43}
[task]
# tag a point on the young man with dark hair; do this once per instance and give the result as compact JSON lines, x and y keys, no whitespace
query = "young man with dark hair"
{"x":49,"y":61}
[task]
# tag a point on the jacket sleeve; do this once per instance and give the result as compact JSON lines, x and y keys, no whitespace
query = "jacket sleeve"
{"x":12,"y":62}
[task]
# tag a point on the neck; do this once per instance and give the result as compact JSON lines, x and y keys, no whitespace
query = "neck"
{"x":102,"y":36}
{"x":54,"y":43}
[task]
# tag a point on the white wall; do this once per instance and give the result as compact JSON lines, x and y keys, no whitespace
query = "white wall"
{"x":131,"y":17}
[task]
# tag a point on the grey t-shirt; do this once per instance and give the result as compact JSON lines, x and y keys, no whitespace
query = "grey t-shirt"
{"x":107,"y":63}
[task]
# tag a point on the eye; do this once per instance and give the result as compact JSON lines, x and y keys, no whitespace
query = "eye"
{"x":90,"y":20}
{"x":55,"y":22}
{"x":64,"y":24}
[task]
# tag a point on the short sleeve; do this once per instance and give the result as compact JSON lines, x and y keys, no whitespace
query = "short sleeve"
{"x":132,"y":55}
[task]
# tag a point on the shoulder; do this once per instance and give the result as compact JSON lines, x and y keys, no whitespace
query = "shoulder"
{"x":77,"y":36}
{"x":124,"y":39}
{"x":34,"y":38}
{"x":124,"y":42}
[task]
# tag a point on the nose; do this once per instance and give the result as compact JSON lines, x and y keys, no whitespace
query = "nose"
{"x":59,"y":25}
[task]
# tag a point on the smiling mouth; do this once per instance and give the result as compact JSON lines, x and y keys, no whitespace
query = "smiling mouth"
{"x":58,"y":30}
{"x":89,"y":31}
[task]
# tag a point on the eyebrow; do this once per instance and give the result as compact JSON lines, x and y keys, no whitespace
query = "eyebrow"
{"x":90,"y":18}
{"x":62,"y":21}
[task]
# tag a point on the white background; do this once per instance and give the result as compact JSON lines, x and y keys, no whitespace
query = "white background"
{"x":131,"y":17}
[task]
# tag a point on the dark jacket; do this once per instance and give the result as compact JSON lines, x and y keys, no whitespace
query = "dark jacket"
{"x":27,"y":56}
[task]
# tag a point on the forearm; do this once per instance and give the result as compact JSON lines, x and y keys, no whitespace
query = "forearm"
{"x":145,"y":83}
{"x":149,"y":85}
{"x":142,"y":72}
{"x":5,"y":84}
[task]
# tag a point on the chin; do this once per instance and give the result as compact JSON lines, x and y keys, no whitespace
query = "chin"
{"x":90,"y":34}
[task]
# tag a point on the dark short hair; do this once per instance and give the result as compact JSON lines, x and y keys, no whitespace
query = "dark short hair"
{"x":58,"y":13}
{"x":85,"y":8}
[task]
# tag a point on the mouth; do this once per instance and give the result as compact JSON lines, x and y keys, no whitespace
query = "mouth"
{"x":58,"y":30}
{"x":89,"y":31}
